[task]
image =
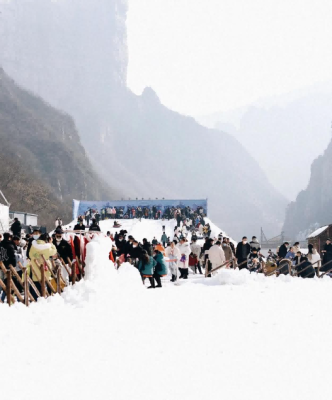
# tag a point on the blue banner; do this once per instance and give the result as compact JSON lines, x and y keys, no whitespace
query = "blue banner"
{"x":126,"y":207}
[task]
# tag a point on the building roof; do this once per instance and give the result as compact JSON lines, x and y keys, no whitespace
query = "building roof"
{"x":317,"y":232}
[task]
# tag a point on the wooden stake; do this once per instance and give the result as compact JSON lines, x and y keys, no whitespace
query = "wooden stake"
{"x":16,"y":291}
{"x":42,"y":280}
{"x":79,"y":266}
{"x":26,"y":289}
{"x":8,"y":287}
{"x":58,"y":281}
{"x":17,"y":276}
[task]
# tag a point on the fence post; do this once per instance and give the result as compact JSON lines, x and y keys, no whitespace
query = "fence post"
{"x":9,"y":287}
{"x":43,"y":282}
{"x":26,"y":287}
{"x":73,"y":273}
{"x":58,"y":280}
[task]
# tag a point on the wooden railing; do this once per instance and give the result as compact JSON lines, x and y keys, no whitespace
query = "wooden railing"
{"x":49,"y":287}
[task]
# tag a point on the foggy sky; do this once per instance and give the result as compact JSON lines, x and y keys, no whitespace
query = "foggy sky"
{"x":205,"y":56}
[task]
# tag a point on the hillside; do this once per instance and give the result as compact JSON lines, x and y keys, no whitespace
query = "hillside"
{"x":79,"y":50}
{"x":313,"y":206}
{"x":42,"y":162}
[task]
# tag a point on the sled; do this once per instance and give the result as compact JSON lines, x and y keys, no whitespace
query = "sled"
{"x":284,"y":262}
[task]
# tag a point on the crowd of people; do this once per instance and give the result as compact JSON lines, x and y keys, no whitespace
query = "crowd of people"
{"x":182,"y":253}
{"x":145,"y":212}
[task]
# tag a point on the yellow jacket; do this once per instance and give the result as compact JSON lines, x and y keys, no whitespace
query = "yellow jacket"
{"x":38,"y":249}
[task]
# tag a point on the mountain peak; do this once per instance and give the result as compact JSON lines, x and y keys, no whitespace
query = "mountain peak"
{"x":150,"y":95}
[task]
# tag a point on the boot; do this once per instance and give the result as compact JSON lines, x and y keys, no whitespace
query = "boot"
{"x":152,"y":283}
{"x":173,"y":278}
{"x":158,"y":280}
{"x":199,"y":268}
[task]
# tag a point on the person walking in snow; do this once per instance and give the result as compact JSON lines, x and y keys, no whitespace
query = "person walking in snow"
{"x":184,"y":260}
{"x":146,"y":267}
{"x":196,"y":250}
{"x":242,"y":252}
{"x":174,"y":255}
{"x":161,"y":267}
{"x":164,"y":239}
{"x":216,"y":255}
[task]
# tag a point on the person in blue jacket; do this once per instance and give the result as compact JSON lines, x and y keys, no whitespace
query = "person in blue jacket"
{"x":161,"y":267}
{"x":146,"y":266}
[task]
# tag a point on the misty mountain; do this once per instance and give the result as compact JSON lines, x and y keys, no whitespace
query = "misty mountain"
{"x":43,"y":165}
{"x":313,"y":206}
{"x":284,"y":134}
{"x":74,"y":54}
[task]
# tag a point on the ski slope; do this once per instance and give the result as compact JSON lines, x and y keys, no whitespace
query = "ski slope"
{"x":235,"y":336}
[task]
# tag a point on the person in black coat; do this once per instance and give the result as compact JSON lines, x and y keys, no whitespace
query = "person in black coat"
{"x":7,"y":255}
{"x":121,"y":245}
{"x":135,"y":252}
{"x":283,"y":250}
{"x":206,"y":246}
{"x":94,"y":227}
{"x":16,"y":227}
{"x":299,"y":258}
{"x":327,"y":256}
{"x":63,"y":247}
{"x":7,"y":251}
{"x":242,"y":251}
{"x":79,"y":226}
{"x":147,"y":247}
{"x":305,"y":270}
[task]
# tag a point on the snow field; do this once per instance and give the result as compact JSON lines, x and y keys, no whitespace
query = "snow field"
{"x":234,"y":336}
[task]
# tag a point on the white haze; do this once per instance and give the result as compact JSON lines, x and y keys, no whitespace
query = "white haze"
{"x":207,"y":56}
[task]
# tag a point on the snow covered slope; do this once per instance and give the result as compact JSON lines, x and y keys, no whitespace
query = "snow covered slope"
{"x":236,"y":336}
{"x":147,"y":228}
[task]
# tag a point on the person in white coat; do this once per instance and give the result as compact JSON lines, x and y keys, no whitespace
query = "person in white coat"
{"x":313,"y":256}
{"x":185,"y":250}
{"x":174,"y":255}
{"x":216,"y":255}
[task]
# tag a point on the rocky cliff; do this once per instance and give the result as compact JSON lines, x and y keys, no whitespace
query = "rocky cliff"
{"x":74,"y":54}
{"x":313,"y":206}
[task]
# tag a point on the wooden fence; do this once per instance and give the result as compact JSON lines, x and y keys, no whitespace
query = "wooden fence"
{"x":19,"y":283}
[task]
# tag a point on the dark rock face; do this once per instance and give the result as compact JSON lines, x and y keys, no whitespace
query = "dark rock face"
{"x":74,"y":55}
{"x":313,"y":206}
